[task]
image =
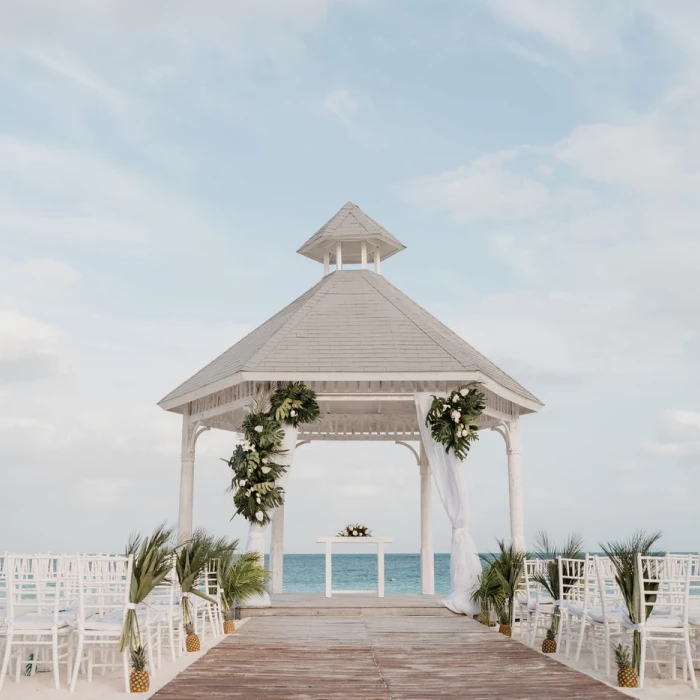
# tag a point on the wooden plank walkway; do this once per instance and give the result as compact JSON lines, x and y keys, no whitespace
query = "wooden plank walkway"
{"x":377,"y":658}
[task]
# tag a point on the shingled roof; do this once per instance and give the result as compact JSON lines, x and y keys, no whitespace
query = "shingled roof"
{"x":352,"y":321}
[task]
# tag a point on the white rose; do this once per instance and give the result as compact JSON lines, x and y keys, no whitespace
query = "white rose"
{"x":242,"y":482}
{"x":354,"y":533}
{"x":258,"y":428}
{"x":265,"y":460}
{"x":464,"y":391}
{"x":265,"y":470}
{"x":292,"y":412}
{"x":456,"y":415}
{"x":257,"y":498}
{"x":259,"y":515}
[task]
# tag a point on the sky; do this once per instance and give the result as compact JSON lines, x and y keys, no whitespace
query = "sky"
{"x":161,"y":162}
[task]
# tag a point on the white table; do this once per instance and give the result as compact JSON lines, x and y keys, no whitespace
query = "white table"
{"x":379,"y":541}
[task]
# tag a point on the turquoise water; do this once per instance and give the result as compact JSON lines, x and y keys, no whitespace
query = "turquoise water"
{"x":306,"y":573}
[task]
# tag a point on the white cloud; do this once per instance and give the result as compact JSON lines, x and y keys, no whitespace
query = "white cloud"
{"x":484,"y":189}
{"x":579,"y":26}
{"x":341,"y":105}
{"x":679,"y":437}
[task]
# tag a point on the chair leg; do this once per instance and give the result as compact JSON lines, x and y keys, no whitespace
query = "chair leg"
{"x":594,"y":648}
{"x":642,"y":660}
{"x":689,"y":660}
{"x":171,"y":639}
{"x":125,"y":664}
{"x":6,"y":658}
{"x":76,"y":667}
{"x":54,"y":650}
{"x":579,"y":643}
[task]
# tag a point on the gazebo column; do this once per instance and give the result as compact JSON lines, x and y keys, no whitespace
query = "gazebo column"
{"x":277,"y":551}
{"x":190,"y":432}
{"x":510,"y":430}
{"x":427,"y":558}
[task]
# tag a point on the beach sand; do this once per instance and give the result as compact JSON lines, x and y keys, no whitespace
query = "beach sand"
{"x":107,"y":687}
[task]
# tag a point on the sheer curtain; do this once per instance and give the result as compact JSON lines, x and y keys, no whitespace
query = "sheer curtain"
{"x":465,"y":565}
{"x":257,"y":533}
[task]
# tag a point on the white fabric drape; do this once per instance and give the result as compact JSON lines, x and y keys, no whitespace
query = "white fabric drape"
{"x":465,"y":565}
{"x":257,"y":533}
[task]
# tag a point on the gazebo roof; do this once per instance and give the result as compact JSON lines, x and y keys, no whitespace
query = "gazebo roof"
{"x":352,"y":323}
{"x":351,"y":226}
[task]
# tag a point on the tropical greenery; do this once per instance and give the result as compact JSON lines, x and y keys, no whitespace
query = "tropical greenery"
{"x":507,"y":567}
{"x":545,"y":548}
{"x":294,"y":403}
{"x":152,"y":564}
{"x":623,"y":554}
{"x":490,"y":596}
{"x":241,"y":576}
{"x":355,"y":530}
{"x":452,"y":420}
{"x":255,"y":462}
{"x":191,"y":559}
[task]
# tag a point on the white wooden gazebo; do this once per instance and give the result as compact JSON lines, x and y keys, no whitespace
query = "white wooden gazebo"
{"x":366,"y":349}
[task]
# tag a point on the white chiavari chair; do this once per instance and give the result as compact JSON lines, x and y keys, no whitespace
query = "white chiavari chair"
{"x":165,"y":599}
{"x":103,"y":599}
{"x":542,"y":608}
{"x":583,"y":596}
{"x":38,"y":591}
{"x":663,"y":610}
{"x":571,"y":586}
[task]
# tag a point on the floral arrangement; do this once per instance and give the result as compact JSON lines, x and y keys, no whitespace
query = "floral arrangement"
{"x":452,"y":419}
{"x":255,"y":462}
{"x":355,"y":530}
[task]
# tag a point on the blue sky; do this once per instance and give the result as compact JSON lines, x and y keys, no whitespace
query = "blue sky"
{"x":160,"y":164}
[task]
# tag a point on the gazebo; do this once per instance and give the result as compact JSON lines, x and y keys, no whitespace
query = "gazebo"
{"x":368,"y":351}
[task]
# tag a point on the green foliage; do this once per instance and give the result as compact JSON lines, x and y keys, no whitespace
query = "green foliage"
{"x":294,"y":403}
{"x":489,"y":594}
{"x":241,"y":576}
{"x":152,"y":564}
{"x":623,"y":554}
{"x":507,"y":566}
{"x":192,"y":559}
{"x":138,"y":658}
{"x":255,"y":462}
{"x":549,"y":580}
{"x":452,"y":420}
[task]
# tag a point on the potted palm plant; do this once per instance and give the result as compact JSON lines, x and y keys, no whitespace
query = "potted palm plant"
{"x":549,"y":579}
{"x":623,"y":555}
{"x":507,"y":567}
{"x":241,"y":576}
{"x":152,"y":564}
{"x":489,"y":594}
{"x":191,"y":559}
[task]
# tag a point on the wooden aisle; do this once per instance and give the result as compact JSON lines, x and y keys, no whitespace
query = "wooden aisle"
{"x":377,"y":658}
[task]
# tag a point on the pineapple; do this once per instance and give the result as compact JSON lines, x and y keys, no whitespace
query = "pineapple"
{"x":504,"y":628}
{"x":229,"y":625}
{"x":549,"y":645}
{"x":138,"y":680}
{"x":191,"y":640}
{"x":626,"y":675}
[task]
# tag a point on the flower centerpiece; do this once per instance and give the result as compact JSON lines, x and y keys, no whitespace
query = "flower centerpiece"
{"x":452,"y":419}
{"x":355,"y":530}
{"x":255,"y":462}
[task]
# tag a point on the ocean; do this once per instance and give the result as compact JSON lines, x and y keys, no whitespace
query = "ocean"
{"x":306,"y":573}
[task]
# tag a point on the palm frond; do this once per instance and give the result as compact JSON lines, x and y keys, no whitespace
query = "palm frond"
{"x":242,"y":576}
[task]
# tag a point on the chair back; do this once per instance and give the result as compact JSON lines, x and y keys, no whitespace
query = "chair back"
{"x":572,"y":578}
{"x":664,"y":585}
{"x":609,"y":594}
{"x":104,"y":583}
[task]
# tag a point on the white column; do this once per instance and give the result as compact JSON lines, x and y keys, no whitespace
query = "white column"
{"x":427,"y":558}
{"x":377,"y":260}
{"x":185,"y":512}
{"x":338,"y":256}
{"x":380,"y":569}
{"x":329,"y":570}
{"x":363,"y":254}
{"x":277,"y":551}
{"x":326,"y":263}
{"x":515,"y":485}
